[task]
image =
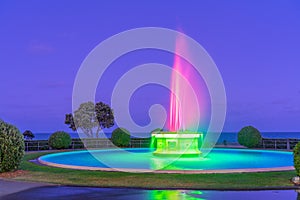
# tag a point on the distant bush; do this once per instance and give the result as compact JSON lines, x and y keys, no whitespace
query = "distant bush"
{"x":60,"y":140}
{"x":297,"y":158}
{"x":28,"y":135}
{"x":157,"y":130}
{"x":11,"y":147}
{"x":120,"y":137}
{"x":249,"y":137}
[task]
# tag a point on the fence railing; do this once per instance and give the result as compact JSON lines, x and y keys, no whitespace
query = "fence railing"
{"x":288,"y":143}
{"x":38,"y":145}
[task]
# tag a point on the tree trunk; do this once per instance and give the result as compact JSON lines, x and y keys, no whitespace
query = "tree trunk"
{"x":97,"y":132}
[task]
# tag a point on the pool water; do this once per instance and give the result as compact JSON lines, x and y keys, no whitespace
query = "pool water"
{"x":143,"y":159}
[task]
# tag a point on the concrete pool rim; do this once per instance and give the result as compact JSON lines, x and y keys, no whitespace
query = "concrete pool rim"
{"x":216,"y":171}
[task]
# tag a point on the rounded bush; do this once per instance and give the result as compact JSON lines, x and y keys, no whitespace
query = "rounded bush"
{"x":249,"y":137}
{"x":11,"y":147}
{"x":120,"y":137}
{"x":296,"y":152}
{"x":60,"y":140}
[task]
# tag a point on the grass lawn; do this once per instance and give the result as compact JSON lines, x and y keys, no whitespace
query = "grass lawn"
{"x":39,"y":173}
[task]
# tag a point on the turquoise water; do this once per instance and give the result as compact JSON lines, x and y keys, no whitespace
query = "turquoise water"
{"x":143,"y":159}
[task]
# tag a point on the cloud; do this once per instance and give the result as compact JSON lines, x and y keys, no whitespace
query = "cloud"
{"x":36,"y":46}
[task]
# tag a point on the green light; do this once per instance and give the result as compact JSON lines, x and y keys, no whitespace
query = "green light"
{"x":173,"y":143}
{"x":175,"y":195}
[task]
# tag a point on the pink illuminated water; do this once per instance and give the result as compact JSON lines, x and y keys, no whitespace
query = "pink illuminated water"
{"x":183,"y":105}
{"x":175,"y":121}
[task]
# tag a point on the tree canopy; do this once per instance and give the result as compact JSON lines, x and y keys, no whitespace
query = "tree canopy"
{"x":89,"y":117}
{"x":28,"y":135}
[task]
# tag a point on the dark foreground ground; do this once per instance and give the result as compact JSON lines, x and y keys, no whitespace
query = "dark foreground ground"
{"x":14,"y":190}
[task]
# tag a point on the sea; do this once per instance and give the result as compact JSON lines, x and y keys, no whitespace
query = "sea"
{"x":228,"y":137}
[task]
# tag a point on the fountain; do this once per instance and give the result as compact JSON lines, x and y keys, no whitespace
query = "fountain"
{"x":169,"y":148}
{"x":178,"y":141}
{"x":173,"y":143}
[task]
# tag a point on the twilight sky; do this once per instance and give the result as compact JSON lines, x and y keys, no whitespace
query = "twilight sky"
{"x":255,"y":44}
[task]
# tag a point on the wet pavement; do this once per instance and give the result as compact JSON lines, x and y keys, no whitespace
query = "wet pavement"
{"x":37,"y":192}
{"x":8,"y":186}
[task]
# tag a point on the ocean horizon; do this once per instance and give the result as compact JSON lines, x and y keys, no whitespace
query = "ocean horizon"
{"x":229,"y":137}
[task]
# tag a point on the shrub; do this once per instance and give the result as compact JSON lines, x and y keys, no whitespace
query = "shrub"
{"x":249,"y":137}
{"x":120,"y":137}
{"x":60,"y":140}
{"x":28,"y":135}
{"x":11,"y":147}
{"x":157,"y":130}
{"x":297,"y":158}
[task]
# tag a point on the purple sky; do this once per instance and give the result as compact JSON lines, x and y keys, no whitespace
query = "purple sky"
{"x":255,"y":45}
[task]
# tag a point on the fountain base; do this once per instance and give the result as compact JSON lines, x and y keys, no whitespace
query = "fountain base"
{"x":177,"y":143}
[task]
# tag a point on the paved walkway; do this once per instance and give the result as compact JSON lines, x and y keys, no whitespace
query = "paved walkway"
{"x":10,"y":186}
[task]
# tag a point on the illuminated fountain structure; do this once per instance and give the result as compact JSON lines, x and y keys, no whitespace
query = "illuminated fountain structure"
{"x":173,"y":143}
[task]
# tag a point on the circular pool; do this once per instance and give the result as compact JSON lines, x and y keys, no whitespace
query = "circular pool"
{"x":219,"y":160}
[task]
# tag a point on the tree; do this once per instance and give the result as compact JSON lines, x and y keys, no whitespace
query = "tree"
{"x":104,"y":115}
{"x":89,"y":117}
{"x":28,"y":135}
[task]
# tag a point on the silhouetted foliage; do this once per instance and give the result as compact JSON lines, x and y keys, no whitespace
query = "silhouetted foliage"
{"x":104,"y":115}
{"x":69,"y":120}
{"x":28,"y":135}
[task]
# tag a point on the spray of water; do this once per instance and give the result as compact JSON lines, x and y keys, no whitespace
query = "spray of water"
{"x":182,"y":115}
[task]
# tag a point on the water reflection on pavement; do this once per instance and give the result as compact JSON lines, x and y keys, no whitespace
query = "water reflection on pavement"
{"x":85,"y":193}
